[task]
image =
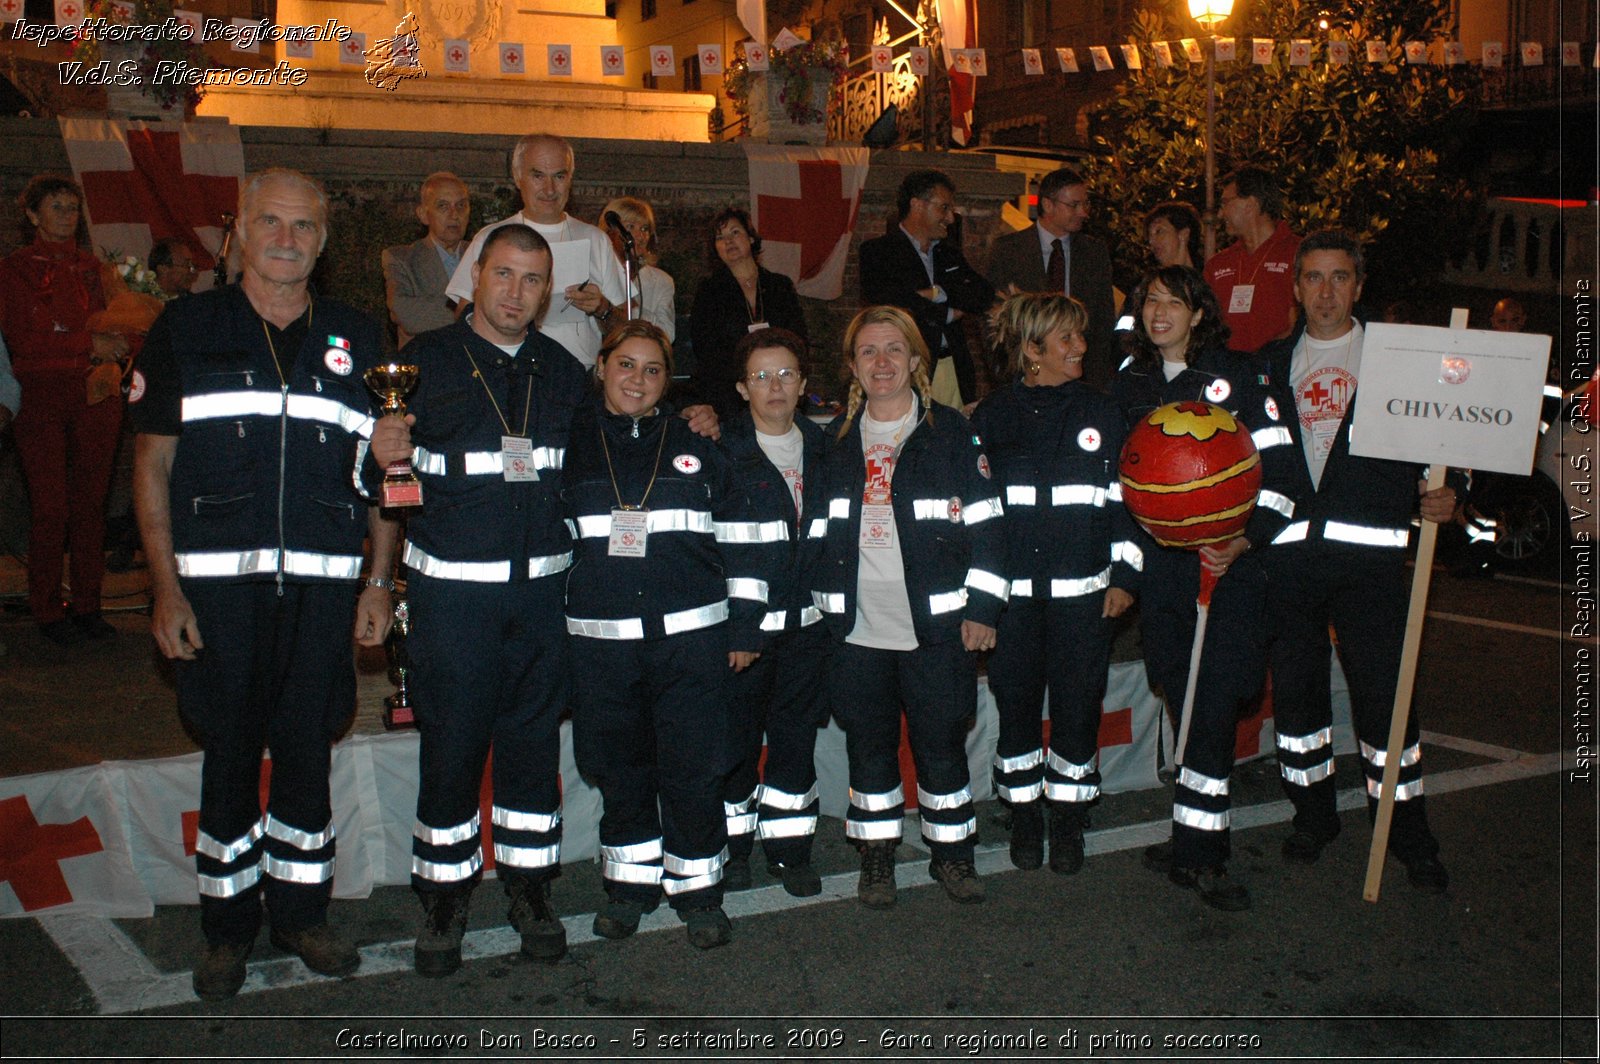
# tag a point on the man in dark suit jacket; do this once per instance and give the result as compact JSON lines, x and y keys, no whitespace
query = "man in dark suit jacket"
{"x":1024,"y":259}
{"x":415,"y":275}
{"x":917,"y":269}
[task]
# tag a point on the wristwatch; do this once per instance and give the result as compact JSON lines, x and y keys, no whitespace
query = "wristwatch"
{"x":379,"y":581}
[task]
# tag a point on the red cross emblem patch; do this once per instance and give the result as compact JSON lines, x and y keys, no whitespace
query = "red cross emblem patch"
{"x":1218,"y":390}
{"x":1089,"y":439}
{"x":954,"y":510}
{"x":339,"y":361}
{"x":687,"y":464}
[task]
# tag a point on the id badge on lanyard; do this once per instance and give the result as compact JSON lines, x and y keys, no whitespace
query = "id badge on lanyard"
{"x":877,"y":526}
{"x":518,"y":459}
{"x":630,"y":533}
{"x":1240,"y":301}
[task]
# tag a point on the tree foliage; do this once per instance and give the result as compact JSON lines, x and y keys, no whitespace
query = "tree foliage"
{"x":1362,"y":145}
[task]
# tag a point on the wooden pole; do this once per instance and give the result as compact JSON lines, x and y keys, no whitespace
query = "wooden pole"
{"x":1406,"y":682}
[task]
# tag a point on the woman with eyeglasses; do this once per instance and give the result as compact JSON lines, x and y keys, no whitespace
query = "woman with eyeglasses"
{"x":1071,"y":564}
{"x":654,"y":294}
{"x":782,"y":696}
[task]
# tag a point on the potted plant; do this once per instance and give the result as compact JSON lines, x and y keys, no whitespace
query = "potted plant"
{"x":169,"y":98}
{"x":788,"y":102}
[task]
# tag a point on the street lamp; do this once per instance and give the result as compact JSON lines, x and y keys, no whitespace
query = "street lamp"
{"x":1208,"y":13}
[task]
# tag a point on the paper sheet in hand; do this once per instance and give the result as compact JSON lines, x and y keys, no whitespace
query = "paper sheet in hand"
{"x":1464,"y":397}
{"x":571,"y":267}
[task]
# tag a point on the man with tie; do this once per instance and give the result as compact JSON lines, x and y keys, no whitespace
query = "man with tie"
{"x":1055,"y":255}
{"x":415,"y":275}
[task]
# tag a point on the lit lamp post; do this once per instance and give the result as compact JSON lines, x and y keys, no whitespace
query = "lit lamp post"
{"x":1208,"y":13}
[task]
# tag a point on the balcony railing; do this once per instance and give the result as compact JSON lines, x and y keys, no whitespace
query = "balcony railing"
{"x":1524,"y":246}
{"x":859,"y":101}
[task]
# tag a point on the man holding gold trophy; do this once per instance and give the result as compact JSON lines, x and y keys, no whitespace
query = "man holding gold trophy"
{"x":252,"y":418}
{"x":487,"y":551}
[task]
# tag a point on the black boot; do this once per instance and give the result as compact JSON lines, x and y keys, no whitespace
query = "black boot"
{"x":543,"y":936}
{"x":444,"y":922}
{"x":1066,"y":838}
{"x":1027,"y":835}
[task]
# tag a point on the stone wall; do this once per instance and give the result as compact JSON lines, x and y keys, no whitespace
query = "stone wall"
{"x":372,"y":179}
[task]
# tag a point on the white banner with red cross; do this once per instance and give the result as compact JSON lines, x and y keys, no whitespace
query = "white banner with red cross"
{"x":143,"y":181}
{"x":803,"y":202}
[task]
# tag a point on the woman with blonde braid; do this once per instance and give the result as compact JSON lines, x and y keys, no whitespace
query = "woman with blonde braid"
{"x":908,"y":580}
{"x":1071,"y":565}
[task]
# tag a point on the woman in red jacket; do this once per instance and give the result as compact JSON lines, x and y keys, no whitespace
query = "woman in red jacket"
{"x":48,"y":290}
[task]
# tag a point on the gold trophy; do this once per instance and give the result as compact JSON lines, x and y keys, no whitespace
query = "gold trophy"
{"x":392,"y":382}
{"x":397,"y":711}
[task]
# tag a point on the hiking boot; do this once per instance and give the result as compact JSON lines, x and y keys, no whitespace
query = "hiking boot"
{"x":1214,"y":888}
{"x":324,"y":950}
{"x":1027,"y":836}
{"x":1158,"y":858}
{"x":220,"y":973}
{"x":1426,"y":873}
{"x":799,"y":878}
{"x":1303,"y":847}
{"x":708,"y":928}
{"x":1066,"y":839}
{"x":875,"y":888}
{"x":543,"y":937}
{"x":437,"y":951}
{"x":620,"y":918}
{"x":736,"y":874}
{"x":959,"y":880}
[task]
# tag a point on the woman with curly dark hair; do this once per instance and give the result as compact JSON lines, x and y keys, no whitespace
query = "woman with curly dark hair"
{"x":1177,"y":354}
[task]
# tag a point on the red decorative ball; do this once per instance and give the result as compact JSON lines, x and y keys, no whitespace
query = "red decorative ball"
{"x":1190,"y":474}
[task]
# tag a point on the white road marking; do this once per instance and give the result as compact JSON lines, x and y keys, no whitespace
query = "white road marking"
{"x":123,"y":980}
{"x":1505,"y":626}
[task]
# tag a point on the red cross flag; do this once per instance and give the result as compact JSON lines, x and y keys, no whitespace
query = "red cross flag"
{"x":1493,"y":53}
{"x":1227,"y":49}
{"x":980,"y":61}
{"x":662,"y":62}
{"x":457,"y":56}
{"x":298,"y":49}
{"x":1130,"y":56}
{"x":1300,"y":53}
{"x":1101,"y":56}
{"x":921,"y":60}
{"x":786,"y":39}
{"x":613,"y":64}
{"x":710,"y":58}
{"x":10,"y":10}
{"x":1416,"y":53}
{"x":69,"y":12}
{"x":1570,"y":55}
{"x":193,"y":19}
{"x":63,"y":847}
{"x":804,"y":202}
{"x":959,"y":20}
{"x":1068,"y":60}
{"x":1532,"y":53}
{"x":511,"y":58}
{"x":558,"y":60}
{"x":350,"y":52}
{"x":1163,"y":50}
{"x":1032,"y":62}
{"x":1455,"y":53}
{"x":755,"y":56}
{"x":1338,"y":53}
{"x":1191,"y":50}
{"x":882,"y":59}
{"x":1261,"y":50}
{"x":122,"y":11}
{"x":1377,"y":52}
{"x":142,"y":182}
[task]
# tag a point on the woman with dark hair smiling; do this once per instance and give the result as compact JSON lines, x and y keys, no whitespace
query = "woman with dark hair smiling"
{"x":1178,"y":355}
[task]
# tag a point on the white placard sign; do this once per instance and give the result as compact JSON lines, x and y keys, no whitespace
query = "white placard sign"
{"x":1467,"y":398}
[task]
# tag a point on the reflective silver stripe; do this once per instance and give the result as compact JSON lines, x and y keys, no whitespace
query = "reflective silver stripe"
{"x":475,"y":572}
{"x":698,"y":866}
{"x":983,"y":580}
{"x":227,"y":562}
{"x":598,"y":526}
{"x":572,"y":527}
{"x":548,"y":564}
{"x":1378,"y":758}
{"x":838,"y":509}
{"x":699,"y":617}
{"x":1207,"y":785}
{"x":321,"y":408}
{"x":1077,"y":495}
{"x":426,"y":461}
{"x":1081,"y":586}
{"x":1030,"y":793}
{"x":1271,"y":437}
{"x":627,"y":628}
{"x":1114,"y":491}
{"x":297,"y":871}
{"x":684,"y":886}
{"x":439,"y":872}
{"x":947,"y":601}
{"x":1366,"y":535}
{"x":362,"y":447}
{"x":809,"y":615}
{"x":1552,"y":391}
{"x":1072,"y":770}
{"x":744,"y":806}
{"x":630,"y":873}
{"x":872,"y":830}
{"x":1125,"y":550}
{"x":1071,"y":792}
{"x":229,"y":886}
{"x":1031,"y":759}
{"x":300,"y":840}
{"x":773,"y":798}
{"x":1402,"y":791}
{"x":744,"y":587}
{"x":1199,"y":819}
{"x":818,"y":529}
{"x":930,"y":509}
{"x":446,"y":836}
{"x":1293,"y":533}
{"x":1482,"y":530}
{"x":978,"y":512}
{"x":743,"y":824}
{"x":829,"y":601}
{"x":635,"y":853}
{"x":332,"y":566}
{"x":483,"y":463}
{"x":773,"y":621}
{"x":1022,"y":589}
{"x":232,"y":404}
{"x":527,"y":856}
{"x":1274,"y":501}
{"x":789,"y":827}
{"x":949,"y":832}
{"x":954,"y":800}
{"x":751,"y":531}
{"x":210,"y":847}
{"x":877,"y":803}
{"x":516,"y":820}
{"x":1021,"y":495}
{"x":1304,"y":744}
{"x":1305,"y":777}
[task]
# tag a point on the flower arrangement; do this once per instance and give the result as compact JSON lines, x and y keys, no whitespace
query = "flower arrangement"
{"x":135,"y":275}
{"x":163,"y":47}
{"x":134,"y":299}
{"x":790,"y":74}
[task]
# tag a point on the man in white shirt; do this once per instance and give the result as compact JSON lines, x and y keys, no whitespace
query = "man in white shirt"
{"x":582,"y":307}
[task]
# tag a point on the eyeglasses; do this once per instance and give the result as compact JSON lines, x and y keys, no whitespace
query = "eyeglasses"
{"x":786,"y":377}
{"x":1072,"y":204}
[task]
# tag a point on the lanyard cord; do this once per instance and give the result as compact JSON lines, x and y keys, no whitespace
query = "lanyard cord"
{"x":615,"y":490}
{"x":527,"y":404}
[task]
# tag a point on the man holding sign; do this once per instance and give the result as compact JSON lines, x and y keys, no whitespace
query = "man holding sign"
{"x":1342,"y":562}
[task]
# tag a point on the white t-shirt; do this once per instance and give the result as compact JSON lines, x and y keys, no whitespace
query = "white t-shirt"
{"x":1172,"y":370}
{"x":582,"y":339}
{"x":883,"y":609}
{"x":788,"y":453}
{"x":1323,"y":374}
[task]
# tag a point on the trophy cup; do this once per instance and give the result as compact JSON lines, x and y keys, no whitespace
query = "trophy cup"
{"x":397,"y":707}
{"x":392,"y":382}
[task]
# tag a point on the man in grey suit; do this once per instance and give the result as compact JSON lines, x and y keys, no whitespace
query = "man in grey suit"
{"x":1056,"y":256}
{"x":415,"y":275}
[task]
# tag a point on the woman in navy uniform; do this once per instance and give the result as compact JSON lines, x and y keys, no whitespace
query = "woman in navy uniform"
{"x":908,"y":580}
{"x":1071,"y":563}
{"x":661,"y":605}
{"x":1178,"y":355}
